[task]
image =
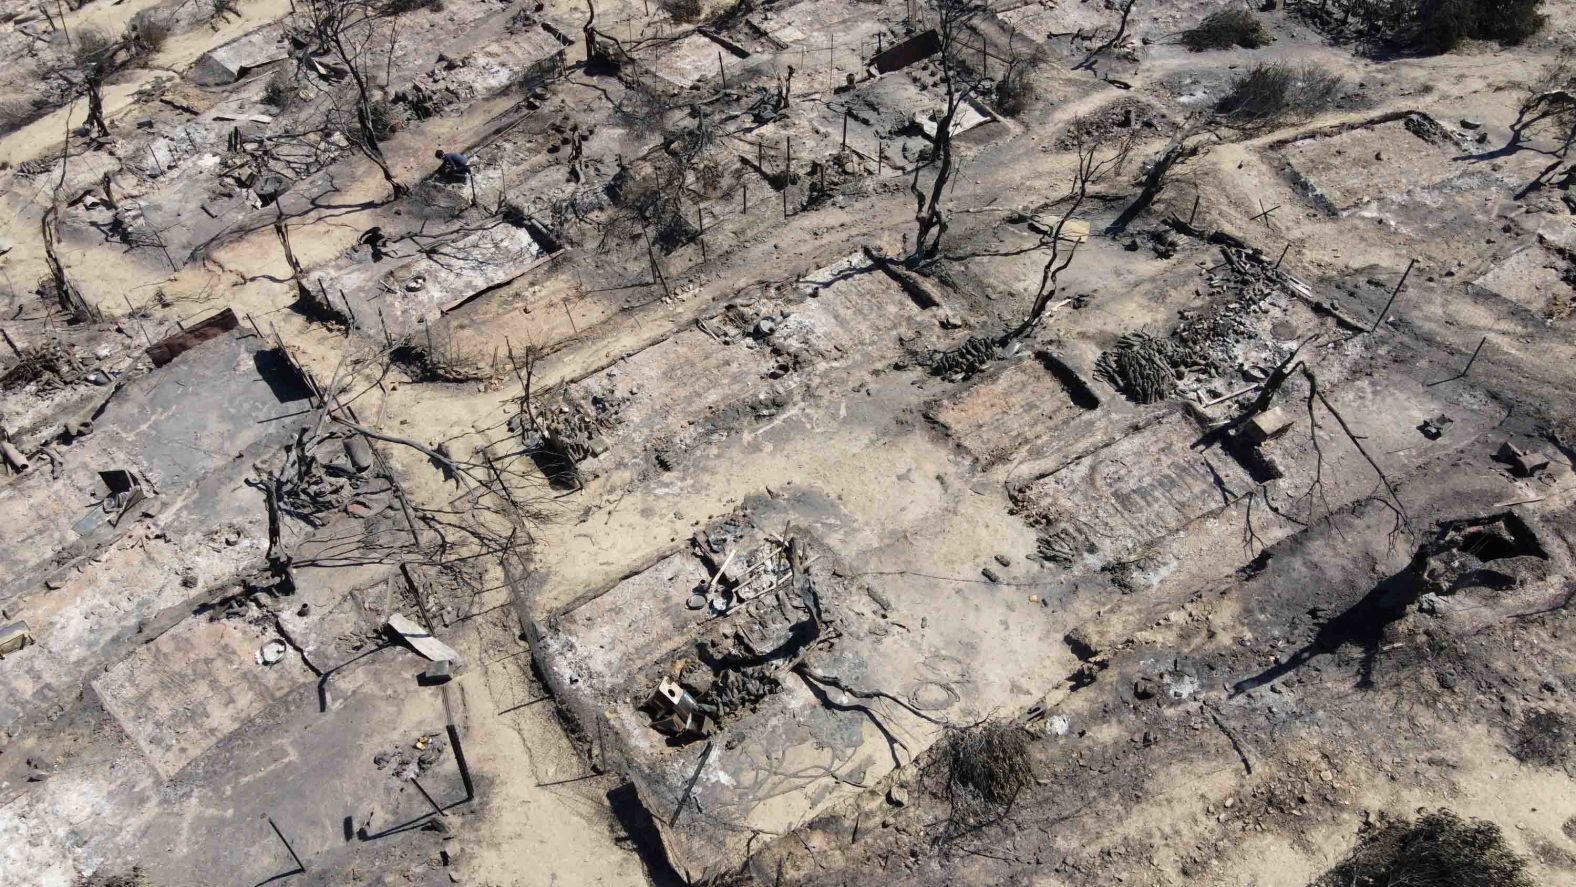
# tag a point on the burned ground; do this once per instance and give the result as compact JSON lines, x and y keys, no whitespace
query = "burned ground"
{"x":795,"y":442}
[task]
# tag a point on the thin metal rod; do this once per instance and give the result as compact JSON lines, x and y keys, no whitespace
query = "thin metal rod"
{"x":285,"y":841}
{"x":1393,"y":294}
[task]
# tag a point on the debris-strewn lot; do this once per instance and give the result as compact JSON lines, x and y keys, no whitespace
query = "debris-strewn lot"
{"x":787,"y":442}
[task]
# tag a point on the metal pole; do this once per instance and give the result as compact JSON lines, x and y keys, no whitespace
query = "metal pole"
{"x":419,"y":787}
{"x":285,"y":841}
{"x":1396,"y":292}
{"x":454,"y":742}
{"x":1473,"y":358}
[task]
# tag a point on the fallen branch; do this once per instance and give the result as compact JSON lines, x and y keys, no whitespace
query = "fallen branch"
{"x":804,"y":670}
{"x":455,"y":468}
{"x":1231,"y":737}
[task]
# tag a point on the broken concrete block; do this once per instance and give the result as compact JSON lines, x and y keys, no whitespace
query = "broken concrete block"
{"x":420,"y":639}
{"x":1522,"y":463}
{"x":438,"y":672}
{"x":14,"y":637}
{"x":1266,"y":426}
{"x":231,"y":61}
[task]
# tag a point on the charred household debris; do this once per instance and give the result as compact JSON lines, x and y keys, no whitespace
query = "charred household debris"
{"x":787,"y":442}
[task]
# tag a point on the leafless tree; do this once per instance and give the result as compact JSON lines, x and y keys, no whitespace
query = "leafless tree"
{"x":600,"y":45}
{"x":94,"y":57}
{"x":1188,"y":141}
{"x":960,"y":83}
{"x":1115,"y":38}
{"x":64,"y":290}
{"x":345,"y":29}
{"x":501,"y":495}
{"x":1549,"y":109}
{"x":1094,"y":165}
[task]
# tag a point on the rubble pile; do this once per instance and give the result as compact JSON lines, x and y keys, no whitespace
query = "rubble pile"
{"x":567,"y":432}
{"x":775,"y":618}
{"x":1496,"y":552}
{"x":48,"y":367}
{"x":1141,"y":366}
{"x":963,"y":361}
{"x":407,"y":763}
{"x":1147,"y":369}
{"x":310,"y":484}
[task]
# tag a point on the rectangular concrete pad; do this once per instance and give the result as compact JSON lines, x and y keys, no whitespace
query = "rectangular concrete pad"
{"x":1532,"y":278}
{"x":852,"y":309}
{"x":1009,"y":411}
{"x":1353,"y":167}
{"x":772,"y":765}
{"x":1142,"y":487}
{"x":691,"y":59}
{"x":193,"y":686}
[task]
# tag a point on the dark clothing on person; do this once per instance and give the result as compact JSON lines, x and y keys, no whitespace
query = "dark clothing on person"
{"x":454,"y":166}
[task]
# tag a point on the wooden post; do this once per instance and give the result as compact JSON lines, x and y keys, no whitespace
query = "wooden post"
{"x":700,"y":220}
{"x":1284,"y":251}
{"x":1190,"y":215}
{"x":656,"y":269}
{"x":354,"y":320}
{"x":746,"y":209}
{"x":844,"y":146}
{"x":831,"y":63}
{"x":721,"y":72}
{"x":787,"y":172}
